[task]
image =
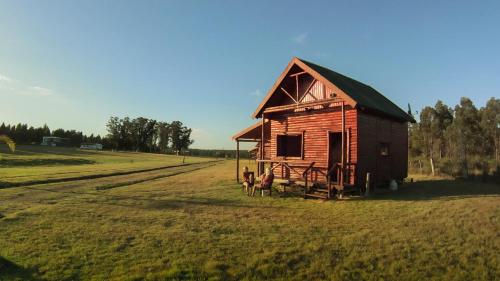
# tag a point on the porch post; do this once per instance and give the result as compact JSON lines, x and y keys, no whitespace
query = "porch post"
{"x":262,"y":144}
{"x":258,"y":169}
{"x":342,"y":159}
{"x":237,"y":160}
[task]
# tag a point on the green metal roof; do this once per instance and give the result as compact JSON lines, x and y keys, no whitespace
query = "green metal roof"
{"x":363,"y":94}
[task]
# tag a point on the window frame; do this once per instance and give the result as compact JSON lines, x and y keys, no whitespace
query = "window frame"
{"x":388,"y":148}
{"x":301,"y":134}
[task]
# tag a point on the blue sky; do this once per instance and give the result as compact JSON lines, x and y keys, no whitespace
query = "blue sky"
{"x":209,"y":63}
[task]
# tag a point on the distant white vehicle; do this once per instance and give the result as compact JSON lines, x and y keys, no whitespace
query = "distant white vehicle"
{"x":94,"y":146}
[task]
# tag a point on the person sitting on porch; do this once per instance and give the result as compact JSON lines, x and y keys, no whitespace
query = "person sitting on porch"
{"x":248,"y":180}
{"x":266,"y":182}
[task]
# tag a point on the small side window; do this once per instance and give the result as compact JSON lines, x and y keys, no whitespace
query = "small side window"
{"x":384,"y":149}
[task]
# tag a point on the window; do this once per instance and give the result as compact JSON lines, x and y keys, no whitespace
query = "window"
{"x":289,"y":145}
{"x":384,"y":149}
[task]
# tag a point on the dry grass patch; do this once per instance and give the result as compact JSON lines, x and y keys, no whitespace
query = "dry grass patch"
{"x":199,"y":225}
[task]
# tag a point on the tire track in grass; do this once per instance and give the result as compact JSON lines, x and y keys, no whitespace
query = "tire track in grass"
{"x":90,"y":170}
{"x":96,"y":176}
{"x":126,"y":183}
{"x":137,"y":181}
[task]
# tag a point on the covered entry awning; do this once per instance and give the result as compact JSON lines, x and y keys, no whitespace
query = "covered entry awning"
{"x":253,"y":133}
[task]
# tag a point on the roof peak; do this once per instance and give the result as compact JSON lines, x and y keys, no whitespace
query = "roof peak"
{"x":360,"y":93}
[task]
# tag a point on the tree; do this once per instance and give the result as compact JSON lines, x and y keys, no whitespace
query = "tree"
{"x":113,"y":127}
{"x":180,"y":136}
{"x":46,"y":130}
{"x":468,"y":131}
{"x":3,"y":129}
{"x":31,"y":134}
{"x":163,"y":131}
{"x":75,"y":138}
{"x":427,"y":119}
{"x":20,"y":133}
{"x":457,"y":141}
{"x":59,"y":133}
{"x":120,"y":133}
{"x":443,"y":118}
{"x":143,"y":130}
{"x":490,"y":125}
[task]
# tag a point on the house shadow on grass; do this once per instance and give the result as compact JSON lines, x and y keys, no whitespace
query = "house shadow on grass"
{"x":171,"y":203}
{"x":439,"y":189}
{"x":12,"y":271}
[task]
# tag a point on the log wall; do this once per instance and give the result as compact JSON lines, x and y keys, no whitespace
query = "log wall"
{"x":315,"y":126}
{"x":373,"y":131}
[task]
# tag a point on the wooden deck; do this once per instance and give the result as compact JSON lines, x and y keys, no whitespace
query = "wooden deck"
{"x":317,"y":182}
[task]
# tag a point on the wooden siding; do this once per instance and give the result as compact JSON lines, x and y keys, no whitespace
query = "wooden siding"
{"x":267,"y":142}
{"x":366,"y":133}
{"x":373,"y":131}
{"x":315,"y":125}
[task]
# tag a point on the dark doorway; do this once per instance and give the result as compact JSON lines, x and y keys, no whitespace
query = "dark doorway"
{"x":334,"y":150}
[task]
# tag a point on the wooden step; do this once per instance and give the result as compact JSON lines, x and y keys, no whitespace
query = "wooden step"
{"x":282,"y":181}
{"x":342,"y":187}
{"x":314,"y":195}
{"x":322,"y":190}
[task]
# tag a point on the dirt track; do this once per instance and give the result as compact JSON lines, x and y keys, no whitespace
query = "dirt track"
{"x":196,"y":166}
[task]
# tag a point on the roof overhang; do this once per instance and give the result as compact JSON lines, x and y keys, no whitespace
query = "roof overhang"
{"x":250,"y":134}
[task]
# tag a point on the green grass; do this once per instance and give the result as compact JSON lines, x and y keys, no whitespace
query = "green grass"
{"x":36,"y":163}
{"x":199,"y":225}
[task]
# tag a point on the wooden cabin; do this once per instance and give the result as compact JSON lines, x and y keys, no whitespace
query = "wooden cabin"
{"x":328,"y":132}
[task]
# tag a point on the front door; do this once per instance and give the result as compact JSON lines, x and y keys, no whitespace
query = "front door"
{"x":334,"y":151}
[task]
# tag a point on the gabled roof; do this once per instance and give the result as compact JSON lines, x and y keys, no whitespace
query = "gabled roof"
{"x":358,"y":94}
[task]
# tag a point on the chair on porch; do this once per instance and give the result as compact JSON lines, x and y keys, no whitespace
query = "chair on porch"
{"x":248,"y":180}
{"x":266,"y":182}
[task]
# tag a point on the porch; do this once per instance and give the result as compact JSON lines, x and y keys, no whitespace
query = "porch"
{"x":318,"y":176}
{"x":315,"y":181}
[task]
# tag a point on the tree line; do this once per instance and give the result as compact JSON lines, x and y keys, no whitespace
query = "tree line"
{"x":219,"y":153}
{"x":148,"y":135}
{"x":24,"y":134}
{"x":138,"y":134}
{"x":460,"y":141}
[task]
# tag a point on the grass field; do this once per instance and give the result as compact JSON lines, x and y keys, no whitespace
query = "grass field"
{"x":38,"y":163}
{"x":193,"y":222}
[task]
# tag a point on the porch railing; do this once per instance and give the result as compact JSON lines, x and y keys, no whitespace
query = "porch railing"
{"x":344,"y":175}
{"x":290,"y":170}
